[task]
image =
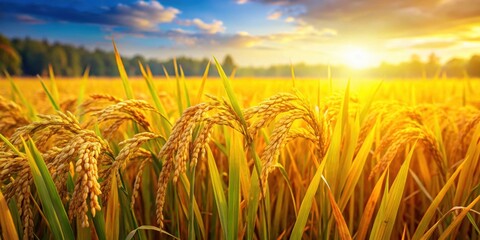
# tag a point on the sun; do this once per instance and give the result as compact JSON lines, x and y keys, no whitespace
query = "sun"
{"x":358,"y":58}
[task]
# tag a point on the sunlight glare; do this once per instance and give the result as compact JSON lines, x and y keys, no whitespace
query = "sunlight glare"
{"x":358,"y":58}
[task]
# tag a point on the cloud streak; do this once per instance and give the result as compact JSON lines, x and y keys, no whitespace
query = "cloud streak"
{"x":379,"y":18}
{"x":139,"y":15}
{"x":208,"y":28}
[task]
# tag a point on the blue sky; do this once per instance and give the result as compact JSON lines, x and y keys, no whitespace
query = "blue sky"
{"x":256,"y":32}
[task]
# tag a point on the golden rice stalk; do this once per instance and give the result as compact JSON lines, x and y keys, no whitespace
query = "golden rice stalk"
{"x":86,"y":186}
{"x":175,"y":151}
{"x":138,"y":178}
{"x":47,"y":125}
{"x":71,"y":144}
{"x":181,"y":147}
{"x":268,"y":110}
{"x":69,"y":105}
{"x":97,"y":102}
{"x":163,"y":179}
{"x":272,"y":151}
{"x":16,"y":175}
{"x":399,"y":140}
{"x":131,"y":148}
{"x":121,"y":112}
{"x":464,"y":137}
{"x":333,"y":105}
{"x":11,"y":117}
{"x":392,"y":116}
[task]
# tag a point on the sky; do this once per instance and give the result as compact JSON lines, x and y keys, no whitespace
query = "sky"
{"x":360,"y":33}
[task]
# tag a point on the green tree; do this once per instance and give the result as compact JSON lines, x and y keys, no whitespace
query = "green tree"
{"x":34,"y":57}
{"x":58,"y":59}
{"x":228,"y":64}
{"x":9,"y":58}
{"x":74,"y":66}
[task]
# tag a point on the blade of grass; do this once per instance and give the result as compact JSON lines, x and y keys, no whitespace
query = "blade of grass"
{"x":195,"y":210}
{"x":53,"y":83}
{"x":166,"y":125}
{"x":253,"y":203}
{"x":152,"y":89}
{"x":306,"y":205}
{"x":112,"y":218}
{"x":123,"y":74}
{"x":81,"y":93}
{"x":131,"y":235}
{"x":473,"y":222}
{"x":220,"y":200}
{"x":15,"y":92}
{"x":16,"y":217}
{"x":230,"y":93}
{"x":428,"y":215}
{"x":289,"y":184}
{"x":185,"y":89}
{"x":370,"y":208}
{"x":6,"y":221}
{"x":235,"y":155}
{"x":386,"y":216}
{"x":356,"y":169}
{"x":337,"y":214}
{"x":51,"y":202}
{"x":179,"y":89}
{"x":464,"y":180}
{"x":369,"y":102}
{"x":202,"y":85}
{"x":458,"y":219}
{"x":99,"y":223}
{"x":54,"y":103}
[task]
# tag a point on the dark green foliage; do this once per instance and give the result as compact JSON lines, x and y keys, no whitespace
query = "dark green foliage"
{"x":31,"y":57}
{"x":9,"y":58}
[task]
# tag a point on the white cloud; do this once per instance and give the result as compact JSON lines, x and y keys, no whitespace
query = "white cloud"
{"x":207,"y":28}
{"x":142,"y":14}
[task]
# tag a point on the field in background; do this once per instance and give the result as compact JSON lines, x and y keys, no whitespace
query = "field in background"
{"x":265,"y":158}
{"x":252,"y":90}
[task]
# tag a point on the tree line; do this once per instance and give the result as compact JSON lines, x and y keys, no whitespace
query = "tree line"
{"x":31,"y":57}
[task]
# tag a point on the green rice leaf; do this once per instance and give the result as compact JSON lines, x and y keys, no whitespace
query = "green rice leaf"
{"x":235,"y":156}
{"x":122,"y":72}
{"x":386,"y":216}
{"x":217,"y":184}
{"x":52,"y":205}
{"x":50,"y":97}
{"x":306,"y":205}
{"x":231,"y":94}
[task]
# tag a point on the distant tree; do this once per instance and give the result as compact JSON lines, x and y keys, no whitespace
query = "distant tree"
{"x":415,"y":67}
{"x":228,"y":64}
{"x":9,"y":58}
{"x":432,"y":67}
{"x":57,"y":57}
{"x":34,"y":57}
{"x":473,"y":66}
{"x":74,"y":66}
{"x":455,"y":67}
{"x":95,"y":62}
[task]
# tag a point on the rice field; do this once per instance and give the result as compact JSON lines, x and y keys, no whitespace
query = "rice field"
{"x":239,"y":158}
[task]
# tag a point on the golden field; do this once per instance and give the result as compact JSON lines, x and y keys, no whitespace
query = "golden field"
{"x":264,"y":158}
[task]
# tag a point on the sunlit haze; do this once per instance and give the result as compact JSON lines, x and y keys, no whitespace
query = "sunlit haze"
{"x":358,"y":34}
